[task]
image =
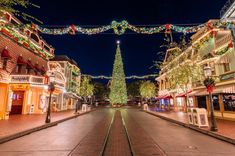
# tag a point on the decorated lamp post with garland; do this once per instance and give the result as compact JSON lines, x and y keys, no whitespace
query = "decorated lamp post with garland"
{"x":209,"y":82}
{"x":51,"y":88}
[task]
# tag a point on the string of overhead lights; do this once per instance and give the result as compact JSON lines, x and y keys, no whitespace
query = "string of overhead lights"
{"x":127,"y":77}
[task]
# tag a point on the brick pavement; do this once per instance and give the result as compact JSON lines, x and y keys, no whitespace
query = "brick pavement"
{"x":19,"y":123}
{"x":225,"y":127}
{"x":92,"y":143}
{"x":142,"y":144}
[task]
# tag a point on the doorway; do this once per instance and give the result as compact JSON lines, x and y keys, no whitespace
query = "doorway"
{"x":17,"y":102}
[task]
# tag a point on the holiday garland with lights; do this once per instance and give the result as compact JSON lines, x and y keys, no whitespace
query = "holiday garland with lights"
{"x":120,"y":28}
{"x":127,"y":77}
{"x":118,"y":91}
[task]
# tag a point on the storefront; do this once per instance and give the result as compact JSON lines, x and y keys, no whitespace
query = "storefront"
{"x":27,"y":94}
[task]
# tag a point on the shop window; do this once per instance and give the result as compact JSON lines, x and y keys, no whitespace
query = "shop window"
{"x":229,"y":102}
{"x":202,"y":102}
{"x":226,"y":67}
{"x":216,"y":102}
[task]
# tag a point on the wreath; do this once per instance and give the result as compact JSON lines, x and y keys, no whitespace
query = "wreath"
{"x":119,"y":28}
{"x":210,"y":84}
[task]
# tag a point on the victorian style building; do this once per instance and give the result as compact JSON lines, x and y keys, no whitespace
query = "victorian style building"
{"x":210,"y":46}
{"x":25,"y":63}
{"x":70,"y":70}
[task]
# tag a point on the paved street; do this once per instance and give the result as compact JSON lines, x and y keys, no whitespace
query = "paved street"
{"x":85,"y":133}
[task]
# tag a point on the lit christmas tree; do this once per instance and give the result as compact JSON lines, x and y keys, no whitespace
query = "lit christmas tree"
{"x":118,"y":92}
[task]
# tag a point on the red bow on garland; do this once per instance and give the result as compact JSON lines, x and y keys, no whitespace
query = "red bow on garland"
{"x":210,"y":88}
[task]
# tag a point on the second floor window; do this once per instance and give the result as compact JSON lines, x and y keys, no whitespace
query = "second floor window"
{"x":226,"y":67}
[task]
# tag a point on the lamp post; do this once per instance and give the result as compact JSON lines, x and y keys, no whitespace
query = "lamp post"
{"x":51,"y":88}
{"x":210,"y":83}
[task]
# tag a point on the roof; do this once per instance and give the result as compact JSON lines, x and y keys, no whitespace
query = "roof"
{"x":64,"y":58}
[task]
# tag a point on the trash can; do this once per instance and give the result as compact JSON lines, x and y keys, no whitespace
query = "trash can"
{"x":6,"y":116}
{"x":195,"y":116}
{"x":31,"y":109}
{"x":202,"y":118}
{"x":84,"y":107}
{"x":145,"y":107}
{"x":190,"y":116}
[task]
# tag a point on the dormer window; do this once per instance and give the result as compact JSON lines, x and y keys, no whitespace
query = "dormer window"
{"x":14,"y":22}
{"x":20,"y":64}
{"x":35,"y":37}
{"x":29,"y":66}
{"x":46,"y":48}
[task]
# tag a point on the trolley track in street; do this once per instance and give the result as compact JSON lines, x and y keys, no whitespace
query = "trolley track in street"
{"x":117,"y":134}
{"x":117,"y":140}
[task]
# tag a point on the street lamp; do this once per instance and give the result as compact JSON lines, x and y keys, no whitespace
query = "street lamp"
{"x":210,"y":83}
{"x":51,"y":88}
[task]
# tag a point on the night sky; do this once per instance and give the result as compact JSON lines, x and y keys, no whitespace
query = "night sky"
{"x":95,"y":54}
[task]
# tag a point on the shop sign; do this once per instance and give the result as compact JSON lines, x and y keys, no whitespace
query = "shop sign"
{"x":20,"y":79}
{"x":19,"y":86}
{"x":27,"y":79}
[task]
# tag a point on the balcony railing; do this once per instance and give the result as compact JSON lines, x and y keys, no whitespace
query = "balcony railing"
{"x":226,"y":7}
{"x":31,"y":79}
{"x":222,"y":41}
{"x":227,"y":76}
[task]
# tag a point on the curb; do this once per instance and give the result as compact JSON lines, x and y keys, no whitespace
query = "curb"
{"x":38,"y":128}
{"x":206,"y":132}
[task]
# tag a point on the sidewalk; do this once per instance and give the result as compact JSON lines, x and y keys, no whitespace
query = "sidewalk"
{"x":225,"y":128}
{"x":19,"y":123}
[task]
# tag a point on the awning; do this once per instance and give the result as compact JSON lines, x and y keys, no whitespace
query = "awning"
{"x":36,"y":67}
{"x":184,"y":94}
{"x":5,"y":54}
{"x":20,"y":61}
{"x":166,"y":96}
{"x":204,"y":92}
{"x":29,"y":65}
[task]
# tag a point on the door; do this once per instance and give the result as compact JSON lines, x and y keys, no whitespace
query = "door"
{"x":17,"y":102}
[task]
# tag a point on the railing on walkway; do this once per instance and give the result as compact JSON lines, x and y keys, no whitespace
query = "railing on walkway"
{"x":224,"y":40}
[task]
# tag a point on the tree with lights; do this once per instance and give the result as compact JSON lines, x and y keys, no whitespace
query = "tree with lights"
{"x":118,"y":91}
{"x":86,"y":88}
{"x":147,"y":90}
{"x":183,"y":75}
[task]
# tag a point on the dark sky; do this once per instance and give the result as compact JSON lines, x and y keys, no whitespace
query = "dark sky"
{"x":95,"y":54}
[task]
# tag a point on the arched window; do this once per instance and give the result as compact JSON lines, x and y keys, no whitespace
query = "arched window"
{"x":35,"y":37}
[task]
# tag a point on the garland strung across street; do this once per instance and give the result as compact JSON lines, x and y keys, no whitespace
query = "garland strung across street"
{"x":120,"y":28}
{"x":127,"y":77}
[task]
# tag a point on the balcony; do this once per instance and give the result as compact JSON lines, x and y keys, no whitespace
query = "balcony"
{"x":223,"y":41}
{"x":30,"y":79}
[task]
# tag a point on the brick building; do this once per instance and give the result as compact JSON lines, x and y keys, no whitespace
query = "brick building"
{"x":23,"y":67}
